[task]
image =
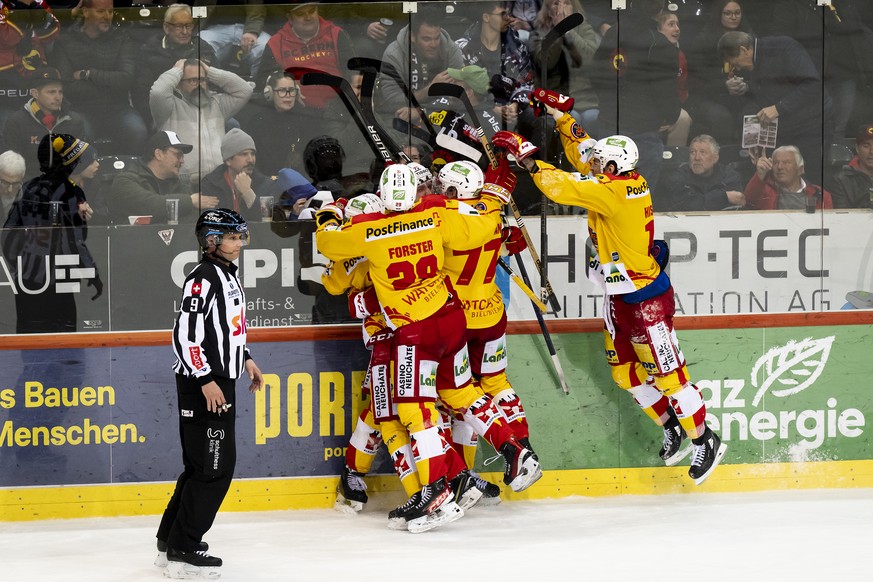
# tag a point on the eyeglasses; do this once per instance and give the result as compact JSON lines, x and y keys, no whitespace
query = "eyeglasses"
{"x":193,"y":80}
{"x":732,"y":13}
{"x":501,"y":14}
{"x":286,"y":91}
{"x":10,"y":185}
{"x":188,"y":27}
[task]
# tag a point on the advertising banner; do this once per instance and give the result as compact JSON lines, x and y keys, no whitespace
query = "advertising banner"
{"x":740,"y":262}
{"x":104,"y":415}
{"x":735,"y":263}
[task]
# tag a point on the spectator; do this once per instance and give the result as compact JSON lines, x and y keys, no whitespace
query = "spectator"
{"x":491,"y":44}
{"x":338,"y":122}
{"x":668,"y":25}
{"x":522,"y":14}
{"x":181,"y":101}
{"x":160,"y":53}
{"x":92,"y":209}
{"x":713,"y":111}
{"x":280,"y":124}
{"x":144,"y":187}
{"x":96,"y":60}
{"x":836,"y":44}
{"x":296,"y":192}
{"x":703,"y":183}
{"x":27,"y":29}
{"x":636,"y":78}
{"x":237,"y":183}
{"x":46,"y":221}
{"x":422,"y":54}
{"x":784,"y":84}
{"x":12,"y":169}
{"x":238,"y":45}
{"x":44,"y":113}
{"x":778,"y":184}
{"x":853,"y":185}
{"x":566,"y":69}
{"x":309,"y":41}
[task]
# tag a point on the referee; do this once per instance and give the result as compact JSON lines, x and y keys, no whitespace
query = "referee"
{"x":209,"y":340}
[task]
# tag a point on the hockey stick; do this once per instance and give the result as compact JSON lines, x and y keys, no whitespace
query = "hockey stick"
{"x":456,"y":91}
{"x":559,"y":370}
{"x":443,"y":139}
{"x":347,"y":95}
{"x":566,"y":25}
{"x":368,"y":86}
{"x":521,"y":285}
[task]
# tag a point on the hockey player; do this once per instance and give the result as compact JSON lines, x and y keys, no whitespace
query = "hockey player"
{"x":405,"y":252}
{"x":209,"y":340}
{"x":472,"y":273}
{"x":352,"y":275}
{"x":639,"y":306}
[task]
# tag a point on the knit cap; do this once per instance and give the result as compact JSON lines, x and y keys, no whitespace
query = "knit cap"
{"x":234,"y":142}
{"x":59,"y":149}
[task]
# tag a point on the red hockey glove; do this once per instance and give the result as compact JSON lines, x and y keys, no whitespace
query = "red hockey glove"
{"x":362,"y":304}
{"x":500,"y":181}
{"x":516,"y":145}
{"x":513,"y":239}
{"x":331,"y":212}
{"x":550,"y":101}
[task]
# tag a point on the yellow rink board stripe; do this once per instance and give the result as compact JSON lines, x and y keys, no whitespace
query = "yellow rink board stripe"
{"x":36,"y":503}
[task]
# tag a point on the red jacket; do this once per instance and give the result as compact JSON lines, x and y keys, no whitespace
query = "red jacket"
{"x":321,"y":53}
{"x":764,"y":194}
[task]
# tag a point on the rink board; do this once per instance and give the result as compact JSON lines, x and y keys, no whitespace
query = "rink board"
{"x":791,"y":403}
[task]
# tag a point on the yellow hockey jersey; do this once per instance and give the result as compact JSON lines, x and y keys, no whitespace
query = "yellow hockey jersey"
{"x":473,"y":271}
{"x":406,"y":252}
{"x":621,"y":224}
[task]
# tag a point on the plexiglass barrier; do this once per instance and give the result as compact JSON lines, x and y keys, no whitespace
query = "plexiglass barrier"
{"x":751,"y":121}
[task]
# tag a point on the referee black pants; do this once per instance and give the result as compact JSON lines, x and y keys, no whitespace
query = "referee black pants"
{"x":209,"y":456}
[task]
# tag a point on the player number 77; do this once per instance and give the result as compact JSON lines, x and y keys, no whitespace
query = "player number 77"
{"x":472,"y":262}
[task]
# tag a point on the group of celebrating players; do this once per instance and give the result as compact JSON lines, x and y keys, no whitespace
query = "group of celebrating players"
{"x":418,"y":262}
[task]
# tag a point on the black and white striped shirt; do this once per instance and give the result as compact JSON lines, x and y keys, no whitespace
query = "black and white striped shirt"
{"x":209,"y":337}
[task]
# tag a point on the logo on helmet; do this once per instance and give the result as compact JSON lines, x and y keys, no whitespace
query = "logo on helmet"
{"x":616,"y":142}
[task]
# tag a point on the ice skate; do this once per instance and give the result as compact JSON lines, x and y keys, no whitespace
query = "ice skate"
{"x":161,"y":560}
{"x":397,"y":516}
{"x":522,"y":469}
{"x":466,"y":494}
{"x":436,"y":507}
{"x":351,"y":492}
{"x":707,"y":455}
{"x":676,"y":445}
{"x":196,"y":565}
{"x":490,"y":491}
{"x":525,"y":442}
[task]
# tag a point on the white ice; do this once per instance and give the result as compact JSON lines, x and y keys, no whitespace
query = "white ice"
{"x":796,"y":536}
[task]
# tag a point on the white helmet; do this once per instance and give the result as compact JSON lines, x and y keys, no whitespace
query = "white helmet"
{"x":618,"y":149}
{"x":398,"y":188}
{"x":422,"y":174}
{"x":465,"y":177}
{"x":364,"y":204}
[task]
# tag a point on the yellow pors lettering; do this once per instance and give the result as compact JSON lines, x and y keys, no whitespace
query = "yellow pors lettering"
{"x":294,"y":403}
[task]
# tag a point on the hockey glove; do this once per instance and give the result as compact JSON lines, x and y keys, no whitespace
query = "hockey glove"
{"x":500,"y":181}
{"x":330,"y":212}
{"x":551,"y":102}
{"x":513,"y":239}
{"x":363,"y":304}
{"x":516,"y":145}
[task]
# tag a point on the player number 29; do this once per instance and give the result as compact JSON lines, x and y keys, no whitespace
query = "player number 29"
{"x":404,"y":273}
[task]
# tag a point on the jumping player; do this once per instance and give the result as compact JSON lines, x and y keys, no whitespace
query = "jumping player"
{"x":639,"y":305}
{"x":405,"y":252}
